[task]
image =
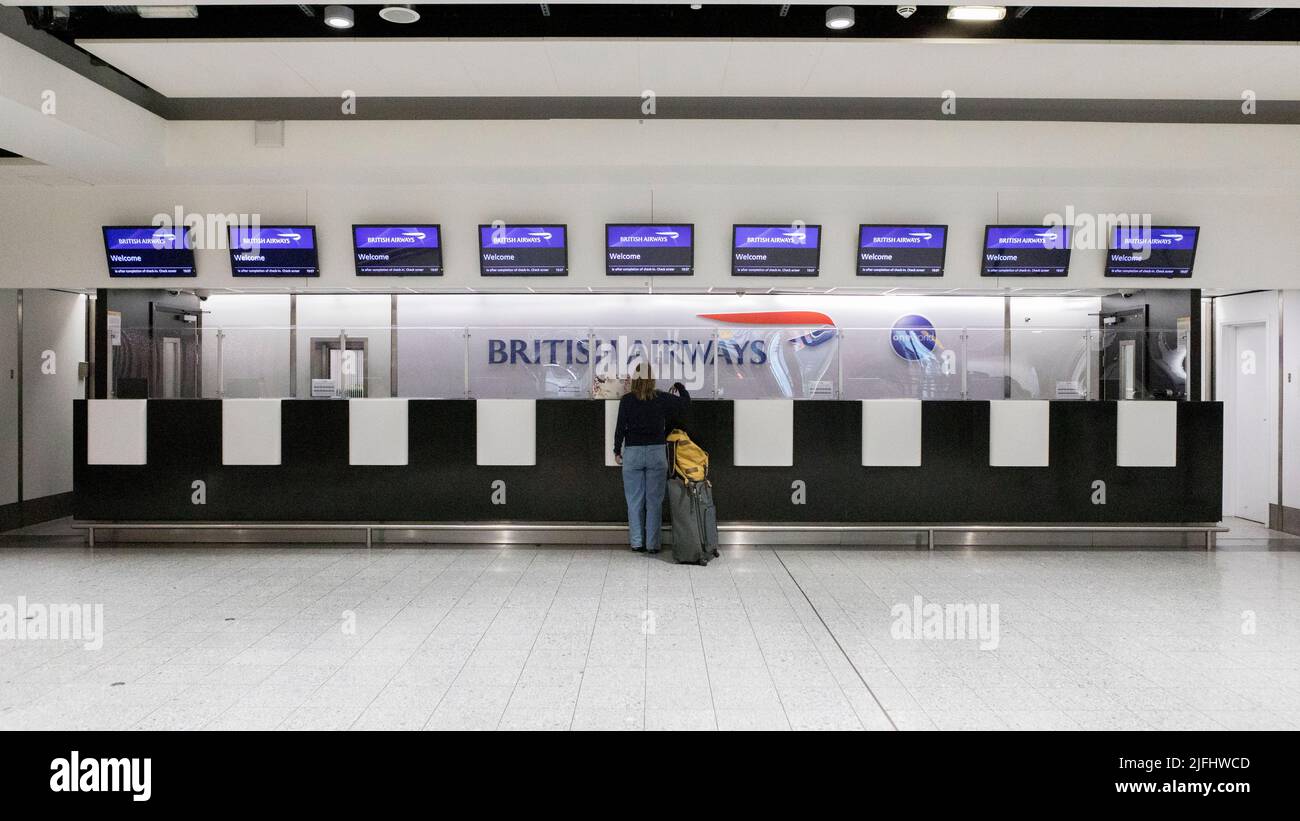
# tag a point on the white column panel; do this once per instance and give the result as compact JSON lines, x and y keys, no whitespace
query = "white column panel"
{"x":611,"y":421}
{"x":891,"y":433}
{"x":117,"y":431}
{"x":250,"y":432}
{"x":8,"y":397}
{"x":1146,"y":434}
{"x":764,"y":432}
{"x":506,"y":431}
{"x":1018,"y":433}
{"x":377,"y":432}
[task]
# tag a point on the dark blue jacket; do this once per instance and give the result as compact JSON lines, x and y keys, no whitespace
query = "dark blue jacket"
{"x":647,"y":421}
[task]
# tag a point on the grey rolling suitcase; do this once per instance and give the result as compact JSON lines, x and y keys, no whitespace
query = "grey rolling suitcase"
{"x":694,"y":521}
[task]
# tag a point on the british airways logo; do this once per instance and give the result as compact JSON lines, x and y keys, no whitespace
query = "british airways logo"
{"x":405,"y":238}
{"x":533,"y":237}
{"x":600,"y":350}
{"x":738,"y":350}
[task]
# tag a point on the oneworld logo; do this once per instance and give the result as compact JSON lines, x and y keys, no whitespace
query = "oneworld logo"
{"x":913,"y":338}
{"x":124,"y":775}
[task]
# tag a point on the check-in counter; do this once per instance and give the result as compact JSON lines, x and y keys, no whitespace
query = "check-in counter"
{"x":771,"y":461}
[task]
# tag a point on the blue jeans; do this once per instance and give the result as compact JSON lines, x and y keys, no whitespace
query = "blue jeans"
{"x":645,"y":481}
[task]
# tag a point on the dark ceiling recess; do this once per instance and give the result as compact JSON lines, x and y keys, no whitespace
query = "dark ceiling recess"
{"x":8,"y":155}
{"x":677,"y":20}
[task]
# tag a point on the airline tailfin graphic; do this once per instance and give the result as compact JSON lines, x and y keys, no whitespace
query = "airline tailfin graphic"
{"x":772,"y":318}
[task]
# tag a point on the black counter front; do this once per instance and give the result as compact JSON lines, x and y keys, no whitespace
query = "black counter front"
{"x":570,"y":481}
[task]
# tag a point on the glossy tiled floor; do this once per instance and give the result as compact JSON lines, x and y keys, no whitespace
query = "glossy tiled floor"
{"x":554,"y":638}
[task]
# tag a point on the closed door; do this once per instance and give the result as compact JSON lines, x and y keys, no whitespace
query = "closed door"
{"x":1250,"y":418}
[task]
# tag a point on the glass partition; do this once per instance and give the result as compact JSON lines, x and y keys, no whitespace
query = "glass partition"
{"x":685,"y":355}
{"x":731,"y":362}
{"x":1052,"y":363}
{"x":432,"y":362}
{"x":768,"y":362}
{"x":528,"y":363}
{"x":245,"y":363}
{"x":890,"y":363}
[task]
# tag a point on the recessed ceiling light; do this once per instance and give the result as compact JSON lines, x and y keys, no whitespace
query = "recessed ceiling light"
{"x":839,"y":17}
{"x":338,"y":17}
{"x":696,"y":6}
{"x":977,"y":14}
{"x":167,"y":12}
{"x":402,"y":13}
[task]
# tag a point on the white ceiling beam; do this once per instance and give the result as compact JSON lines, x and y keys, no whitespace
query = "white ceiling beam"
{"x":812,"y":67}
{"x":55,"y":116}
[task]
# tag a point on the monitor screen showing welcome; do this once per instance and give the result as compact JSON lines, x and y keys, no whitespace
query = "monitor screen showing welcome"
{"x":523,"y":250}
{"x":1026,"y":251}
{"x":632,"y":250}
{"x":901,"y":250}
{"x":273,"y":251}
{"x":792,"y":250}
{"x":397,"y":250}
{"x":148,"y":252}
{"x":1151,"y":251}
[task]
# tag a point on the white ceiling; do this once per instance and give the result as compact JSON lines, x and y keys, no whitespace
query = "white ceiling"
{"x":683,"y":67}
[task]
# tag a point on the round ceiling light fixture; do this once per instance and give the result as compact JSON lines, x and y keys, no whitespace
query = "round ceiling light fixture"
{"x":339,"y":17}
{"x":399,"y":14}
{"x":839,"y":17}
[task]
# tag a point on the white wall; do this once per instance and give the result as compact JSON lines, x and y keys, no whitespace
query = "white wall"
{"x":8,"y":397}
{"x":53,"y":322}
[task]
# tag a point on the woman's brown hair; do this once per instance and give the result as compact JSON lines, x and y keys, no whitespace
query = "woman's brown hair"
{"x":643,"y":382}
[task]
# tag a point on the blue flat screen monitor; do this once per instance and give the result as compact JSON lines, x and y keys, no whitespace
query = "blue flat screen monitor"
{"x":273,"y":251}
{"x":1026,"y":251}
{"x":901,"y":250}
{"x":1152,"y":251}
{"x":791,"y":250}
{"x":523,"y":250}
{"x":649,"y":250}
{"x":148,"y":251}
{"x":397,"y":250}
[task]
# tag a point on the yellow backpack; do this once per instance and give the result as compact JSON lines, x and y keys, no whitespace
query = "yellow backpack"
{"x":690,"y":461}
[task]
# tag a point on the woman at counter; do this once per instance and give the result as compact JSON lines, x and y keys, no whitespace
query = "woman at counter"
{"x":645,"y":415}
